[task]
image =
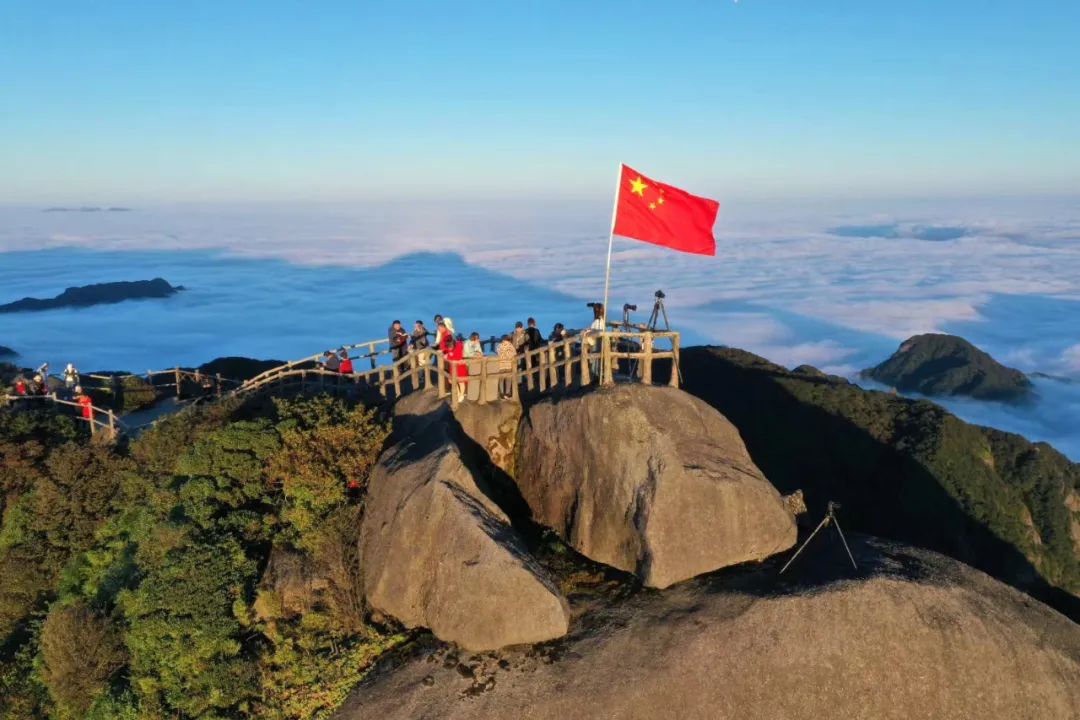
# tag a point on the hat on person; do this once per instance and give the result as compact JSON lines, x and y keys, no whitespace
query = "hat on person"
{"x":448,"y":324}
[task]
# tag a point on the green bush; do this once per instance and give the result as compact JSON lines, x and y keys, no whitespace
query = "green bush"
{"x":81,"y":652}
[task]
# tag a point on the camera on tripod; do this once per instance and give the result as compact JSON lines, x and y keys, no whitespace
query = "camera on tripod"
{"x":629,"y":308}
{"x":659,"y":295}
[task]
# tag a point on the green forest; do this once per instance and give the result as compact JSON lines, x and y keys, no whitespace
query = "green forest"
{"x":207,"y":569}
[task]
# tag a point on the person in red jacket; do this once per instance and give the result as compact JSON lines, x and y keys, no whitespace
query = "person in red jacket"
{"x":346,"y":363}
{"x":455,"y":353}
{"x":85,"y":403}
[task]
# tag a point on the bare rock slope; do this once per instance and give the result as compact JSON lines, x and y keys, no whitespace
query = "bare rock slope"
{"x":913,"y":636}
{"x":649,"y":480}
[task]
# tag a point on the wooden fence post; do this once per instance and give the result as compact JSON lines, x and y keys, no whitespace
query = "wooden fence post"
{"x":645,"y":364}
{"x":112,"y":425}
{"x":439,"y":363}
{"x":483,"y":381}
{"x":584,"y":378}
{"x":674,"y":361}
{"x":397,"y":381}
{"x":606,"y":370}
{"x":217,"y":384}
{"x":177,"y":375}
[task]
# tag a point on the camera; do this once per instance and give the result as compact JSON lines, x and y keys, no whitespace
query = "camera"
{"x":629,"y":308}
{"x":659,"y":294}
{"x":594,"y":305}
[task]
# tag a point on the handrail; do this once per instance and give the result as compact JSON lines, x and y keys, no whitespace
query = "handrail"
{"x":112,"y":424}
{"x":587,"y":357}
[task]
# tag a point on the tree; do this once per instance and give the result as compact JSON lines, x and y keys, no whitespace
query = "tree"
{"x":81,"y":651}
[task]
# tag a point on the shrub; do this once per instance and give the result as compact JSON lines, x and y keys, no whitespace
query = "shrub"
{"x":81,"y":652}
{"x":327,"y":448}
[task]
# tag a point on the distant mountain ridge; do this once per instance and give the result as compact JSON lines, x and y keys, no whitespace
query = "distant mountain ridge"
{"x":937,"y":364}
{"x":97,"y":294}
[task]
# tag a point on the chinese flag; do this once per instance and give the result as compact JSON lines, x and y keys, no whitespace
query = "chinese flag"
{"x":664,"y":215}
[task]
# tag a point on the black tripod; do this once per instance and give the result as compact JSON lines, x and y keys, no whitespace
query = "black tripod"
{"x":829,"y":519}
{"x":658,"y":311}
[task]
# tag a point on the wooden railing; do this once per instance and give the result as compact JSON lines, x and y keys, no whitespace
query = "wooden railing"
{"x":211,"y":384}
{"x":100,"y":420}
{"x":372,"y":350}
{"x":579,"y":360}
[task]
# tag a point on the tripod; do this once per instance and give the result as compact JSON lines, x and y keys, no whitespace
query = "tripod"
{"x":829,"y":519}
{"x":658,"y":311}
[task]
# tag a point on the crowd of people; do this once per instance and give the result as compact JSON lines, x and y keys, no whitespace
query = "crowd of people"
{"x":421,"y":344}
{"x":66,"y":387}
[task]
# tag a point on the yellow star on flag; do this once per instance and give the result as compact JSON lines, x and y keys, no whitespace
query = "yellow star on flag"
{"x":652,"y":206}
{"x":638,"y":186}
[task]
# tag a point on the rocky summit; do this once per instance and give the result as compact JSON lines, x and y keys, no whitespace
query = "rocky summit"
{"x":935,"y":364}
{"x":649,"y":480}
{"x":912,"y":635}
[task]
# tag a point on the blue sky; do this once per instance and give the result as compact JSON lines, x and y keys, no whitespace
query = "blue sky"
{"x":137,"y":102}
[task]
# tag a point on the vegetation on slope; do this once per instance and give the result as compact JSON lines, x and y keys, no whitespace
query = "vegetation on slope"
{"x":936,"y":364}
{"x":904,"y":469}
{"x":137,"y":580}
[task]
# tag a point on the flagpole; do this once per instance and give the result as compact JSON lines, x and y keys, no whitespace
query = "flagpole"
{"x":607,"y":273}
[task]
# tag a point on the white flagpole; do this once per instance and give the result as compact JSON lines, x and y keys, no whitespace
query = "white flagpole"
{"x":607,"y":272}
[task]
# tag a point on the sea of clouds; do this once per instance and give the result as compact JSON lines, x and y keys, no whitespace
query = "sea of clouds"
{"x":835,"y":285}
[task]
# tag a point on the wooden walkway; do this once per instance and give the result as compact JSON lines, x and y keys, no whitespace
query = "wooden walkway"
{"x":578,"y":361}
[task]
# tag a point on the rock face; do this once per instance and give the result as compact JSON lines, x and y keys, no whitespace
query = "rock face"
{"x":916,"y":636}
{"x":7,"y":352}
{"x":904,"y":469}
{"x":99,"y":294}
{"x":649,"y":480}
{"x":438,"y":553}
{"x":935,"y":364}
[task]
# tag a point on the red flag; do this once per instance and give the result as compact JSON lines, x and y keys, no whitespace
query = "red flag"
{"x":664,"y":215}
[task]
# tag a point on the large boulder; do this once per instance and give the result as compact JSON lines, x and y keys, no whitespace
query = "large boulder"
{"x":649,"y":480}
{"x":439,"y":553}
{"x":915,"y":636}
{"x":937,"y":364}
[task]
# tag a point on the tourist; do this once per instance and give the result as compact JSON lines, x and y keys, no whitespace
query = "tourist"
{"x":43,"y":371}
{"x":86,"y":404}
{"x":399,"y":340}
{"x":558,"y":334}
{"x":534,"y":340}
{"x":447,"y":334}
{"x":455,"y":355}
{"x":419,"y":337}
{"x":473,"y":348}
{"x":331,"y":362}
{"x":345,"y":367}
{"x":518,"y":337}
{"x":36,"y":386}
{"x":593,"y":336}
{"x":71,"y":377}
{"x":507,"y":357}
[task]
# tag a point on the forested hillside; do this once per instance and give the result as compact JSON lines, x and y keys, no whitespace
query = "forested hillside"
{"x":207,"y":570}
